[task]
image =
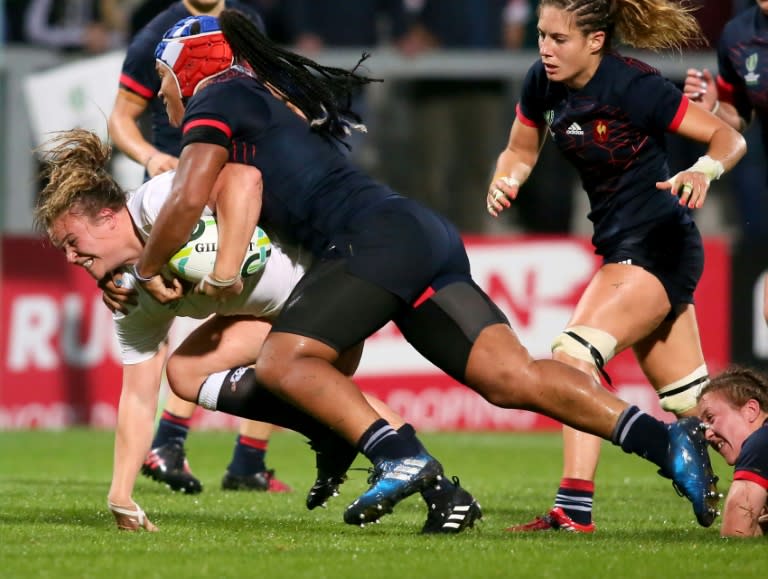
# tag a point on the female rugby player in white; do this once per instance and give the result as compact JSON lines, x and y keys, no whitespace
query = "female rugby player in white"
{"x":89,"y":217}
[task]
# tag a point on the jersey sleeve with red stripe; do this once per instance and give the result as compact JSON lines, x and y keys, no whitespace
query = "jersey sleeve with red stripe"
{"x":742,"y":56}
{"x":652,"y":101}
{"x":228,"y":106}
{"x":752,"y":464}
{"x":649,"y":99}
{"x":536,"y":96}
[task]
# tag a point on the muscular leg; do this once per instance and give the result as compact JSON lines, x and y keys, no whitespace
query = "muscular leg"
{"x":306,"y":365}
{"x":229,"y":342}
{"x":672,"y":352}
{"x":610,"y":304}
{"x":501,"y":369}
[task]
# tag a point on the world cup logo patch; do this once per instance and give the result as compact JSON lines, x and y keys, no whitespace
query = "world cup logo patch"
{"x":600,"y":132}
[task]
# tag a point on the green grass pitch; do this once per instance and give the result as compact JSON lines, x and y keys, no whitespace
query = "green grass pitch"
{"x":54,"y":522}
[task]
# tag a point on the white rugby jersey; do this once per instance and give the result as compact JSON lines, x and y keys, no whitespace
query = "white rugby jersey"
{"x":142,"y":331}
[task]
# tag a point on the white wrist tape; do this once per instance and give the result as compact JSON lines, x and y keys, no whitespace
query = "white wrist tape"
{"x":511,"y":182}
{"x":710,"y":167}
{"x":215,"y":282}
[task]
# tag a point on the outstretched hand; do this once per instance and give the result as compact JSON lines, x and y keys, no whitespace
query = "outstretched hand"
{"x":690,"y":186}
{"x":131,"y":518}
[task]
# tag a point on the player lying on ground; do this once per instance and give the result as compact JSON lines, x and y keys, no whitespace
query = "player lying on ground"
{"x":734,"y":409}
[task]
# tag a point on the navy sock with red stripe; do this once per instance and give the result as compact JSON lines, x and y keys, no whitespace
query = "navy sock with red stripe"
{"x":575,"y":498}
{"x":248,"y":456}
{"x":171,"y":428}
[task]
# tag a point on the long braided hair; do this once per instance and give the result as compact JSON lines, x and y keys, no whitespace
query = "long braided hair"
{"x":648,"y":24}
{"x":322,"y":93}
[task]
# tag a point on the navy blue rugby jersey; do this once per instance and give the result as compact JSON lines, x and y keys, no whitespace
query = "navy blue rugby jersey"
{"x":140,"y":77}
{"x":311,"y":191}
{"x":613,"y":132}
{"x":742,"y":57}
{"x":752,"y":463}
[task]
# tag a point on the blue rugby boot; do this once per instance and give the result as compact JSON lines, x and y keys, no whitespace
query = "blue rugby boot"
{"x":689,"y":468}
{"x":392,"y":481}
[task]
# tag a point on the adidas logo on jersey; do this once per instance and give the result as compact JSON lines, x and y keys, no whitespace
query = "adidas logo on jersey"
{"x":625,"y":262}
{"x":574,"y":129}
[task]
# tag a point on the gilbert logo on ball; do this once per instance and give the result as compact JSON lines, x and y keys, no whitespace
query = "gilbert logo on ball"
{"x":198,"y":256}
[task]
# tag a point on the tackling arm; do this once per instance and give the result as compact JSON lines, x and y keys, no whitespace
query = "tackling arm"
{"x":237,"y":195}
{"x":193,"y":184}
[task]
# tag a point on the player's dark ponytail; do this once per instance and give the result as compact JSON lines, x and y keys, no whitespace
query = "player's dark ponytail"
{"x":322,"y":93}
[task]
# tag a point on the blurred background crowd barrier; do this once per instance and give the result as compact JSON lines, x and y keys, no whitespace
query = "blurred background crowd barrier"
{"x":59,"y":362}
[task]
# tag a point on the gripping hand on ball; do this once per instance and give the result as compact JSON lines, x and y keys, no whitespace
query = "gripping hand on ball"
{"x":131,"y":518}
{"x":163,"y":290}
{"x":219,"y":289}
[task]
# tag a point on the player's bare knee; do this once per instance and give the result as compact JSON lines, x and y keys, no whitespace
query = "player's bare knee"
{"x":509,"y":384}
{"x":681,"y":396}
{"x":181,"y":382}
{"x":269,"y":370}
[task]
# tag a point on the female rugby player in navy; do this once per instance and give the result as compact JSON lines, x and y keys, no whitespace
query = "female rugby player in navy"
{"x":740,"y":92}
{"x":734,"y":409}
{"x":380,"y":257}
{"x":608,"y":115}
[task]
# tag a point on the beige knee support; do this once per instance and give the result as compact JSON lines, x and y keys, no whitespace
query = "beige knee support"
{"x":682,"y":395}
{"x":588,"y":344}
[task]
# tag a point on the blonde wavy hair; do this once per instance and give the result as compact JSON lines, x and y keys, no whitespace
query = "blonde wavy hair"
{"x":75,"y":172}
{"x":645,"y":24}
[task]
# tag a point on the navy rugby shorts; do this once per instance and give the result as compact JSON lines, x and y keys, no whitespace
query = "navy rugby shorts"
{"x":671,"y":251}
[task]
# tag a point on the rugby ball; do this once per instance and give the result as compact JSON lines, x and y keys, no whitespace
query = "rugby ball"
{"x":196,"y":258}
